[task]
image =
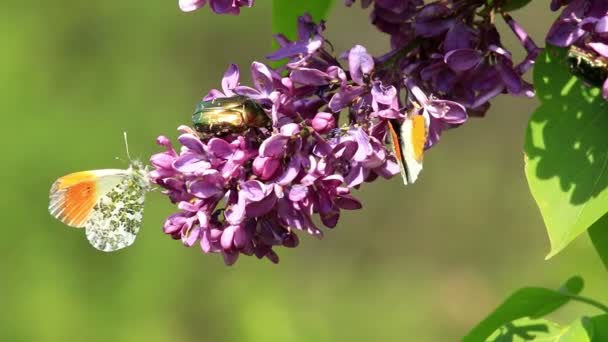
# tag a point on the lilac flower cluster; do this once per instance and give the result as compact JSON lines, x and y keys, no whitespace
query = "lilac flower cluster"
{"x":248,"y":193}
{"x":453,"y":49}
{"x":245,"y":194}
{"x":217,"y":6}
{"x":584,"y":24}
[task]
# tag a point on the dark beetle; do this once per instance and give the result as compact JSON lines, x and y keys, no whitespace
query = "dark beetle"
{"x":588,"y":66}
{"x":226,"y":115}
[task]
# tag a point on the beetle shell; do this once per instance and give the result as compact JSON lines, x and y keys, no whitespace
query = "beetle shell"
{"x":228,"y":115}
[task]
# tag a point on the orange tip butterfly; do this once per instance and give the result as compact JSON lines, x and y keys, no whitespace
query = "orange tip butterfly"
{"x":408,"y":139}
{"x":108,"y":204}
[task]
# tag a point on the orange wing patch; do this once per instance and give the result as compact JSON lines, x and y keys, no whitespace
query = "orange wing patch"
{"x":395,"y":142}
{"x":73,"y":197}
{"x":419,"y":136}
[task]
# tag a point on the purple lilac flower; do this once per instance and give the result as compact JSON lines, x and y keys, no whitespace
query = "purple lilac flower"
{"x":248,"y":193}
{"x":217,"y":6}
{"x":452,"y":50}
{"x":584,"y":24}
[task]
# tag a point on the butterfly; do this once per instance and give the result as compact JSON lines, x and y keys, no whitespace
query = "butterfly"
{"x":408,"y":139}
{"x":107,"y":203}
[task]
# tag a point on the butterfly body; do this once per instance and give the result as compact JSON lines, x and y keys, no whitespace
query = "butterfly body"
{"x":107,"y":203}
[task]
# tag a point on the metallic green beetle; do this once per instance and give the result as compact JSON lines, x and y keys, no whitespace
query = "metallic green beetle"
{"x":588,"y":66}
{"x":226,"y":115}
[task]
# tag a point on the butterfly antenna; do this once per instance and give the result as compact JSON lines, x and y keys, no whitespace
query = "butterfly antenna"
{"x":127,"y":145}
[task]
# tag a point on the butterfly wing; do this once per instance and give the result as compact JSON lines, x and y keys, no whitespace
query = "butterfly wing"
{"x":117,"y":215}
{"x":73,"y":197}
{"x":408,"y":139}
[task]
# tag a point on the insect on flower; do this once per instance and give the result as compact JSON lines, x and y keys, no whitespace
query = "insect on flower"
{"x":107,"y":203}
{"x":408,"y":139}
{"x":588,"y":66}
{"x":226,"y":115}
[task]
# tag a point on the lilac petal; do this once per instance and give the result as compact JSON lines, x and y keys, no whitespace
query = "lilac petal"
{"x":511,"y":79}
{"x":262,"y":78}
{"x":360,"y":63}
{"x":601,"y":26}
{"x":355,"y":177}
{"x":462,"y":59}
{"x":192,"y":142}
{"x":174,"y":223}
{"x":600,"y":48}
{"x":307,"y":76}
{"x":230,"y":79}
{"x":389,"y":114}
{"x":298,"y":193}
{"x":345,"y":149}
{"x":344,"y":97}
{"x":230,"y":257}
{"x":254,"y":190}
{"x":191,"y":236}
{"x":213,"y":94}
{"x":384,"y":94}
{"x":189,"y":163}
{"x":241,"y":238}
{"x":364,"y":148}
{"x":449,"y":111}
{"x":274,"y":147}
{"x":205,"y":243}
{"x":191,"y":5}
{"x":265,"y":167}
{"x":389,"y":169}
{"x":292,"y":170}
{"x":162,"y":161}
{"x":261,"y":208}
{"x":228,"y":237}
{"x":416,"y":91}
{"x":460,"y":36}
{"x":207,"y":187}
{"x":235,"y":213}
{"x":605,"y":90}
{"x":220,"y":148}
{"x":249,"y":92}
{"x":323,"y":122}
{"x":164,"y":141}
{"x":290,"y":129}
{"x":330,"y":219}
{"x":564,"y":34}
{"x":348,"y":202}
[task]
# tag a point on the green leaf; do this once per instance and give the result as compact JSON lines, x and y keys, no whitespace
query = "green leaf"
{"x":285,"y":14}
{"x":532,"y":302}
{"x":598,"y":233}
{"x":585,"y":329}
{"x":566,"y":151}
{"x":598,"y":327}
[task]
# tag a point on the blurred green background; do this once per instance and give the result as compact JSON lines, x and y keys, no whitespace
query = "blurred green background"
{"x":422,"y":263}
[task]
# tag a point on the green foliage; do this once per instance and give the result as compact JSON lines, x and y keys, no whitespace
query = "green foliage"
{"x":598,"y":233}
{"x":585,"y":329}
{"x":565,"y":147}
{"x":533,"y":302}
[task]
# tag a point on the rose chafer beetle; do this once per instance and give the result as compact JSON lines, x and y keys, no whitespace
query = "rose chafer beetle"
{"x":227,"y":115}
{"x":588,"y":66}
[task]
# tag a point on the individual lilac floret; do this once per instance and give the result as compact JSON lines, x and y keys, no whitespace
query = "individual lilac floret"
{"x":217,"y":6}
